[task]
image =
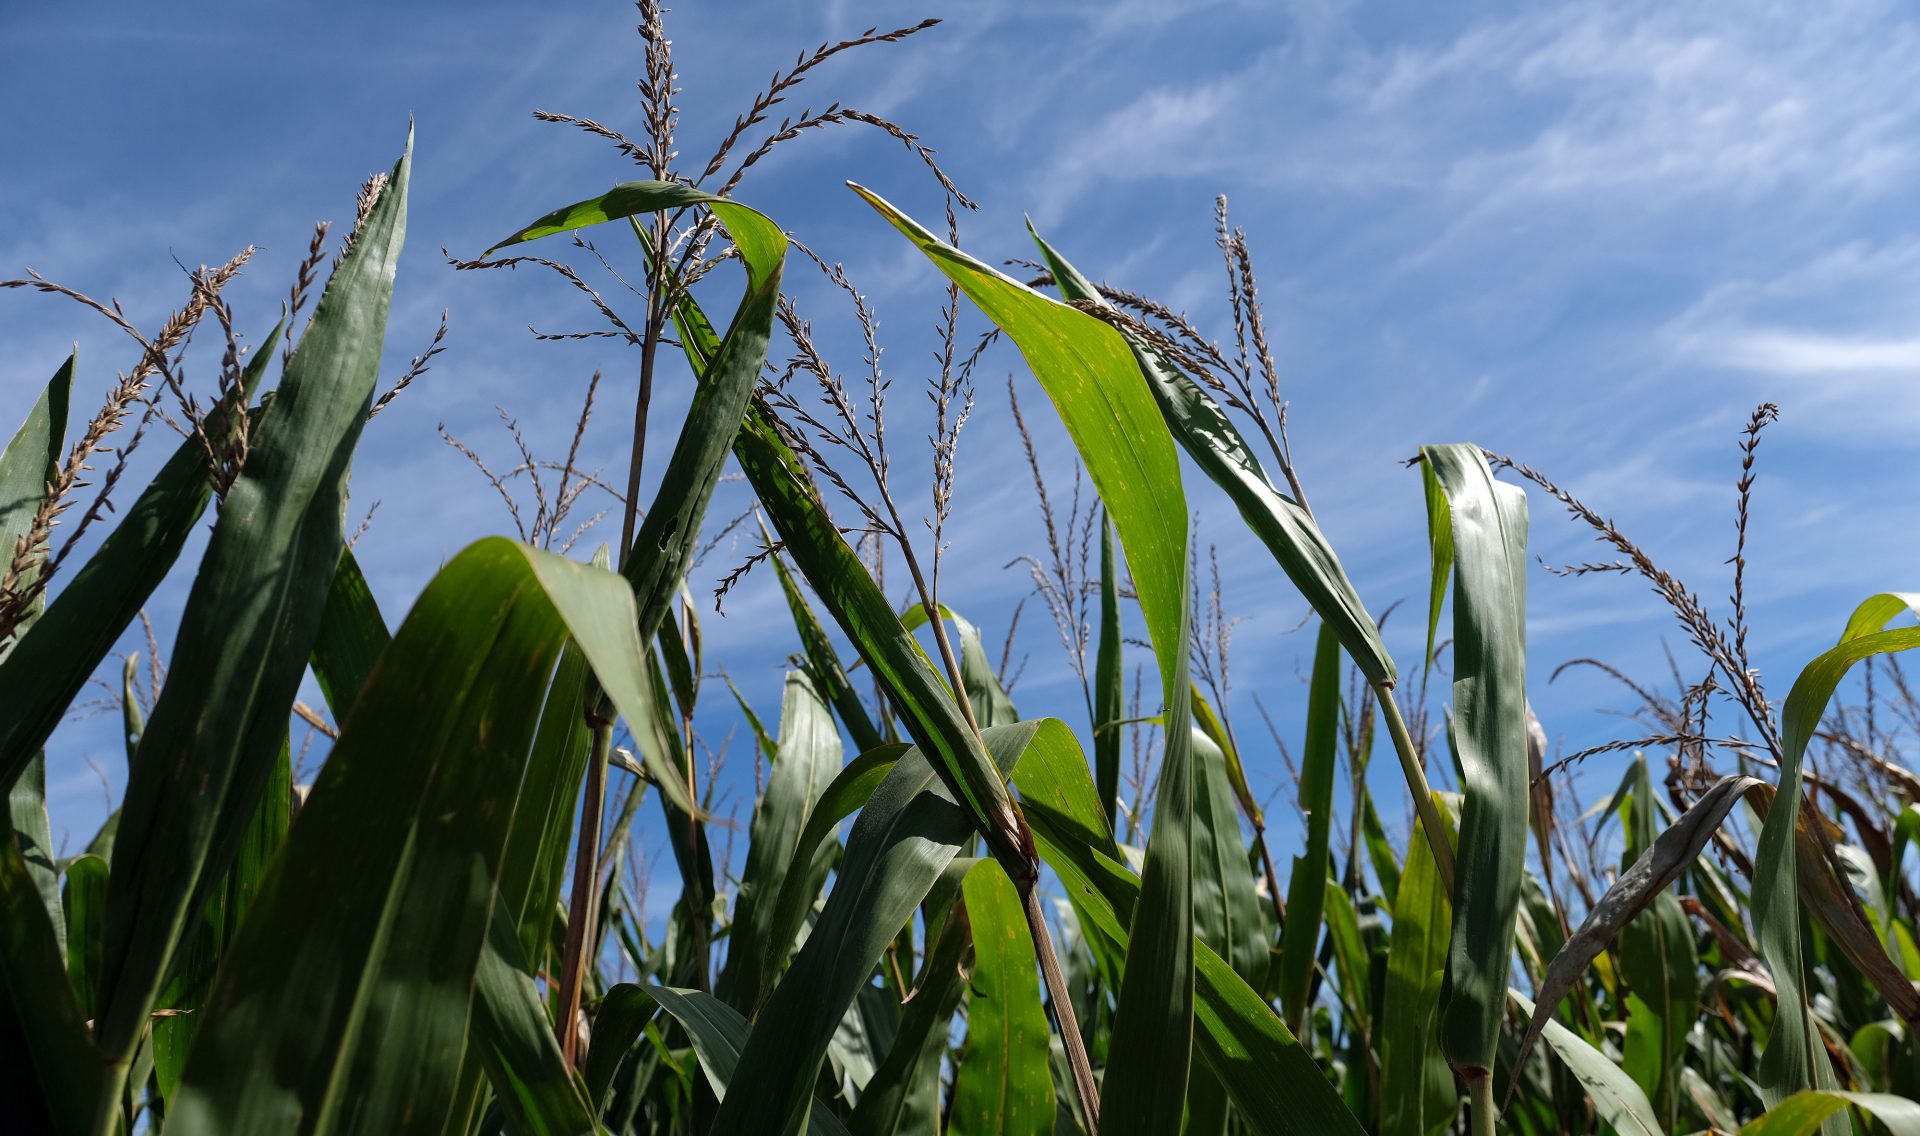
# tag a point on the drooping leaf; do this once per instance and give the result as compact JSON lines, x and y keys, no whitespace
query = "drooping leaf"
{"x":720,"y":1036}
{"x":1615,"y":1097}
{"x":367,"y":933}
{"x":1803,"y":1113}
{"x":1097,"y":387}
{"x":514,"y":1038}
{"x":1289,"y":532}
{"x":1786,"y":1065}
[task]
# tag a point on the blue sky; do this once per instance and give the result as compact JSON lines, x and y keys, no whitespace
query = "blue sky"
{"x":1591,"y":236}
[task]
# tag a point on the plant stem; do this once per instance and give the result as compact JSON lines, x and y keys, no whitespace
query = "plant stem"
{"x":649,"y":350}
{"x":1063,"y":1015}
{"x":1417,"y":782}
{"x":1480,"y":1104}
{"x":1273,"y":877}
{"x":107,"y":1115}
{"x":580,"y":908}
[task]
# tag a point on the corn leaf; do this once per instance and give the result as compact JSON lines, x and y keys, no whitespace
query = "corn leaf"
{"x":903,"y":1097}
{"x":826,"y":664}
{"x":1271,"y":1078}
{"x":514,"y":1037}
{"x":1416,"y":1089}
{"x":850,"y":789}
{"x":1803,"y":1113}
{"x":808,"y":760}
{"x":368,"y":930}
{"x":352,"y":635}
{"x":1109,"y":679}
{"x":1096,"y":386}
{"x":249,"y":623}
{"x":904,"y":838}
{"x":720,"y":1036}
{"x":1209,"y":437}
{"x":1226,"y":911}
{"x":1786,"y":1065}
{"x":1002,"y":1084}
{"x":1615,"y":1097}
{"x":1488,"y":521}
{"x":48,"y":1068}
{"x":1306,"y":888}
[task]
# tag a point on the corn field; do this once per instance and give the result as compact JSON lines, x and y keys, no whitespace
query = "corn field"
{"x":948,"y":917}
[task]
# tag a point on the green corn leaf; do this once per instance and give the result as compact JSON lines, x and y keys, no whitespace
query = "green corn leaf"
{"x":808,"y":760}
{"x":366,"y":935}
{"x":1272,"y":1079}
{"x":1109,"y":679}
{"x":729,"y":368}
{"x":249,"y":623}
{"x":903,"y":1096}
{"x":1226,"y":911}
{"x":1416,"y":1088}
{"x":1786,"y":1065}
{"x":1803,"y":1113}
{"x":918,"y":692}
{"x":49,"y":1071}
{"x":1489,"y":525}
{"x":1289,"y":532}
{"x":617,"y":1025}
{"x":720,"y":1036}
{"x":850,"y":789}
{"x":992,"y":706}
{"x":1306,"y":889}
{"x":352,"y":635}
{"x":904,"y":838}
{"x":86,"y":902}
{"x":514,"y":1037}
{"x":826,"y":664}
{"x":1615,"y":1097}
{"x":1657,"y":959}
{"x":216,"y":924}
{"x":1002,"y":1084}
{"x":28,"y":466}
{"x":49,"y":665}
{"x":27,"y":826}
{"x":1096,"y":386}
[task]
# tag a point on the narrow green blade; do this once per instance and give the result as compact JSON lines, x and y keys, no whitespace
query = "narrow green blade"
{"x":1306,"y":888}
{"x":905,"y":837}
{"x":1096,"y":386}
{"x":366,"y":937}
{"x":808,"y":760}
{"x":1488,"y":521}
{"x":245,"y":634}
{"x":1002,"y":1084}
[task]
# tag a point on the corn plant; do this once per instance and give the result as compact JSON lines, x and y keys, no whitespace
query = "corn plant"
{"x":1016,"y":934}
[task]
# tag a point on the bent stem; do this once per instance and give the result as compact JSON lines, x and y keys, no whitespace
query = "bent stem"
{"x":586,"y":871}
{"x":1063,"y":1014}
{"x":1417,"y":782}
